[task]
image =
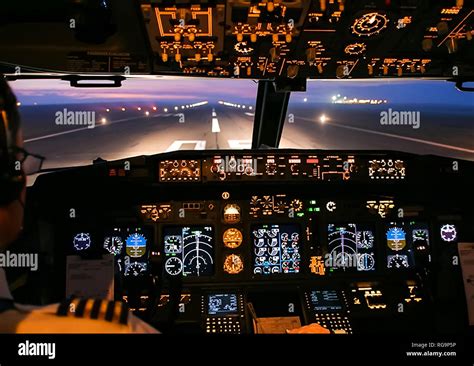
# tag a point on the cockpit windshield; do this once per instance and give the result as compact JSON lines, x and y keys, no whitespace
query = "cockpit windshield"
{"x":74,"y":126}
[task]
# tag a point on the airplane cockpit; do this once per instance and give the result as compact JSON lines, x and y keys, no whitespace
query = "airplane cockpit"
{"x":249,"y":166}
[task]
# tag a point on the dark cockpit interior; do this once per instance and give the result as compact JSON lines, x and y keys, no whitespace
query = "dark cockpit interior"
{"x":251,"y":166}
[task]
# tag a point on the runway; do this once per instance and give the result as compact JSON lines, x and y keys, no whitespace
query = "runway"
{"x":217,"y":126}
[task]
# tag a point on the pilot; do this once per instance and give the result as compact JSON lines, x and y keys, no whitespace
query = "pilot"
{"x":73,"y":315}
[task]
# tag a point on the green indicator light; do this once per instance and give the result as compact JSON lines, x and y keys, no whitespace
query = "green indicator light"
{"x":317,"y":209}
{"x":300,"y":214}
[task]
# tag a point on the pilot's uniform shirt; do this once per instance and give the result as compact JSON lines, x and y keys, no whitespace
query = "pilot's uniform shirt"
{"x":70,"y":316}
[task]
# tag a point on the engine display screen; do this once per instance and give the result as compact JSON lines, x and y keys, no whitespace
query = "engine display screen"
{"x":350,"y":247}
{"x":276,"y":249}
{"x":222,"y":304}
{"x":189,"y":250}
{"x":325,"y":301}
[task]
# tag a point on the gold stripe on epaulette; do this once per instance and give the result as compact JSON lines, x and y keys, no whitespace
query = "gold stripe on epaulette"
{"x":71,"y":311}
{"x":117,"y":312}
{"x":103,"y":309}
{"x":88,"y":308}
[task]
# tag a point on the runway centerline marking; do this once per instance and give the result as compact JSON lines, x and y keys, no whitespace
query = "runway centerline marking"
{"x":215,"y":122}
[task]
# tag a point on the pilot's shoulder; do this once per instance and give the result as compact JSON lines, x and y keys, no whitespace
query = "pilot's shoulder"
{"x":79,"y":315}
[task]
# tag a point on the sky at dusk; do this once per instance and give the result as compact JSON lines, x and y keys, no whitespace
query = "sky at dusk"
{"x":188,"y":89}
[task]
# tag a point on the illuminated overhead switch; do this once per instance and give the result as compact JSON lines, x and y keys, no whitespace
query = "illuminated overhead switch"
{"x":469,"y":35}
{"x":249,"y":70}
{"x":191,"y":37}
{"x":292,"y":71}
{"x":253,"y":37}
{"x":270,"y":6}
{"x":452,"y":45}
{"x":311,"y":55}
{"x":320,"y":68}
{"x":459,"y":3}
{"x":164,"y":57}
{"x":288,"y":38}
{"x":385,"y":70}
{"x":341,"y":5}
{"x":422,"y":69}
{"x":275,"y":37}
{"x":197,"y":57}
{"x":177,"y":57}
{"x":273,"y":54}
{"x":427,"y":44}
{"x":412,"y":68}
{"x":240,"y":37}
{"x":177,"y":36}
{"x":370,"y":69}
{"x":442,"y":28}
{"x":210,"y":57}
{"x":322,"y":5}
{"x":399,"y":70}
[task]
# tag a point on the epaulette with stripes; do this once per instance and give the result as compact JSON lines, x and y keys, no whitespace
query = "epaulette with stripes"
{"x":111,"y":311}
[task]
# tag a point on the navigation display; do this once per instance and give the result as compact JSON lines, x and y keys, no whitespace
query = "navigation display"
{"x":325,"y":301}
{"x":189,"y":250}
{"x":276,"y":249}
{"x":222,"y":304}
{"x":350,"y":247}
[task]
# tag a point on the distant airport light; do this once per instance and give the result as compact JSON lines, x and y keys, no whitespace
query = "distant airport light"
{"x":147,"y":113}
{"x":175,"y":108}
{"x":154,"y":108}
{"x":18,"y":104}
{"x":166,"y":110}
{"x":334,"y":98}
{"x":305,"y":100}
{"x":182,"y":107}
{"x":139,"y":108}
{"x":123,"y":109}
{"x":238,"y":106}
{"x":108,"y":109}
{"x":103,"y":120}
{"x":243,"y":106}
{"x":250,"y":107}
{"x":323,"y":118}
{"x":221,"y":102}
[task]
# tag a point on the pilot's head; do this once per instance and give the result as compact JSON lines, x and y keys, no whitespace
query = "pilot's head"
{"x":12,"y":179}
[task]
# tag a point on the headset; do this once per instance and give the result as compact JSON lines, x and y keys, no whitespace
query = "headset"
{"x":12,"y":180}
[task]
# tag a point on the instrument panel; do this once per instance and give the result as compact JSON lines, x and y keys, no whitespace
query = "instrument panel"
{"x":305,"y":234}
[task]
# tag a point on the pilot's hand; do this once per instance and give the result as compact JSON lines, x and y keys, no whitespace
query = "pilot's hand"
{"x":313,"y":328}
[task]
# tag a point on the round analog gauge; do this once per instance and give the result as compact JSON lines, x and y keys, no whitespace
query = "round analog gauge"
{"x":370,"y":24}
{"x":420,"y":234}
{"x":296,"y":205}
{"x":82,"y":241}
{"x":397,"y":261}
{"x":272,"y":233}
{"x":448,"y":233}
{"x":173,"y":266}
{"x":232,"y":238}
{"x":231,"y":214}
{"x":243,"y":48}
{"x":364,"y":239}
{"x":173,"y":244}
{"x":135,"y":269}
{"x":365,"y":262}
{"x":355,"y":49}
{"x":233,"y":264}
{"x":113,"y":244}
